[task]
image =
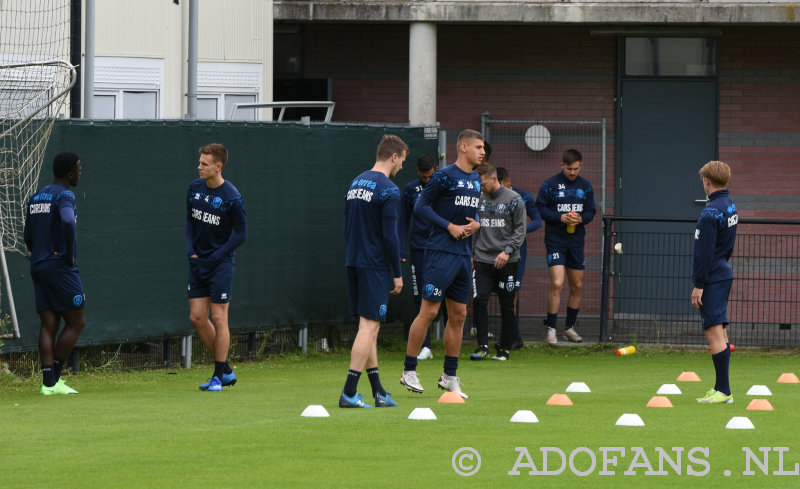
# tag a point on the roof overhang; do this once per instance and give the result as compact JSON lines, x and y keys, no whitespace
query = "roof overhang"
{"x":685,"y":12}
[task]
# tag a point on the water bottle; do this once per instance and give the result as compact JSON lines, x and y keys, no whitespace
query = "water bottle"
{"x":628,"y":350}
{"x":571,"y":227}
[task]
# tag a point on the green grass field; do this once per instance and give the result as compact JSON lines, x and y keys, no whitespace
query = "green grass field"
{"x":155,"y":429}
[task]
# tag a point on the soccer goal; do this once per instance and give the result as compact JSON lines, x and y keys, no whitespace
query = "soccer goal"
{"x":35,"y":78}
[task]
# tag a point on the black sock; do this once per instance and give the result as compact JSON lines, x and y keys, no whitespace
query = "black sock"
{"x":351,"y":383}
{"x":450,"y":365}
{"x":227,"y":370}
{"x":58,"y":366}
{"x":411,"y":363}
{"x":375,"y":382}
{"x":48,"y":376}
{"x":721,"y":363}
{"x":552,"y":319}
{"x":572,"y":316}
{"x":219,"y":367}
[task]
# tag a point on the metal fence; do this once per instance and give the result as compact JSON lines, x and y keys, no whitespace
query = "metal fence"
{"x":531,"y":152}
{"x":647,"y":283}
{"x":176,"y":352}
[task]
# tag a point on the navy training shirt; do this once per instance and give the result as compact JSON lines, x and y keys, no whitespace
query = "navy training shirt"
{"x":533,"y":215}
{"x":714,"y":238}
{"x":370,"y":223}
{"x":421,"y":229}
{"x":216,"y":221}
{"x":45,"y":233}
{"x":557,"y":196}
{"x":451,"y":196}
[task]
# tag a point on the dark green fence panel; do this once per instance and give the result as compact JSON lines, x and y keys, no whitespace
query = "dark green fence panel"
{"x":131,"y":213}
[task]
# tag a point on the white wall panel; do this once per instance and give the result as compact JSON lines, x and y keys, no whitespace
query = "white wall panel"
{"x":237,"y":31}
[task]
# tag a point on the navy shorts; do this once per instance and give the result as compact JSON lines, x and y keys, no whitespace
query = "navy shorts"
{"x":446,"y":275}
{"x":211,"y":279}
{"x":369,"y":292}
{"x":566,"y":256}
{"x":715,"y":303}
{"x":57,"y":287}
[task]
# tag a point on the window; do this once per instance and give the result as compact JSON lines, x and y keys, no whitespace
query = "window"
{"x":128,"y":88}
{"x":128,"y":104}
{"x":241,"y":114}
{"x":212,"y":107}
{"x":221,"y":85}
{"x":105,"y":106}
{"x":207,"y":108}
{"x":670,"y":56}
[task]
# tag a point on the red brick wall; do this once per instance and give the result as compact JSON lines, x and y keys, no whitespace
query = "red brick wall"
{"x":523,"y":73}
{"x":760,"y":119}
{"x":369,"y":68}
{"x":563,"y":72}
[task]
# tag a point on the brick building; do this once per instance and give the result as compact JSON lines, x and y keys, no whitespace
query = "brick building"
{"x":567,"y":61}
{"x":678,"y":84}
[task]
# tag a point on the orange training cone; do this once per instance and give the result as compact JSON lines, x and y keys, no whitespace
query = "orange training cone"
{"x":688,"y":377}
{"x":659,"y":401}
{"x":788,"y":378}
{"x":451,"y":398}
{"x":559,"y":400}
{"x":760,"y":405}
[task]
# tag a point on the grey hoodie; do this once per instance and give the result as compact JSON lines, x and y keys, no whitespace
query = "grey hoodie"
{"x":503,"y":218}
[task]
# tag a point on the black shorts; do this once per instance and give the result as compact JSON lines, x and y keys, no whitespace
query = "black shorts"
{"x":210,"y":279}
{"x":369,"y":292}
{"x":57,"y":287}
{"x":566,"y":256}
{"x":715,"y":303}
{"x":446,"y":275}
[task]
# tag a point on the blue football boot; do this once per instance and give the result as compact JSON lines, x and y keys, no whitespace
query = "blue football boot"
{"x":356,"y":401}
{"x":214,"y":385}
{"x":227,"y":379}
{"x":385,"y":401}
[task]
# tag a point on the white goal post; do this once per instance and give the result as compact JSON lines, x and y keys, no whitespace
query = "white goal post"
{"x":31,"y":96}
{"x":35,"y":78}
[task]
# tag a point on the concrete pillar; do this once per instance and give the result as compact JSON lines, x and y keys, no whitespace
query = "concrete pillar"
{"x":422,"y":74}
{"x":88,"y":63}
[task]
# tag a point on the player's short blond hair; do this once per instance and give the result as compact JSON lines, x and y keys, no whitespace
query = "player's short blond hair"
{"x":718,"y":172}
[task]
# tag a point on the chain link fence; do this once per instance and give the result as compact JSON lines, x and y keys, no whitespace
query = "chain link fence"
{"x":647,"y":284}
{"x":172,"y":352}
{"x":531,"y":152}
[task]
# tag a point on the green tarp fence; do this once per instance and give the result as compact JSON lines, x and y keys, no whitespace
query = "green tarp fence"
{"x":131,"y":214}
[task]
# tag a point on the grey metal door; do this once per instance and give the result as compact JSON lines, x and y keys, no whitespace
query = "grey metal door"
{"x":667,"y":131}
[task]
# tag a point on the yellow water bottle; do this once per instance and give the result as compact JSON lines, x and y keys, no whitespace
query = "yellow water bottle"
{"x":628,"y":350}
{"x":571,"y":227}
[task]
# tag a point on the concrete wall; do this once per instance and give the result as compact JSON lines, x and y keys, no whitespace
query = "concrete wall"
{"x":601,"y":12}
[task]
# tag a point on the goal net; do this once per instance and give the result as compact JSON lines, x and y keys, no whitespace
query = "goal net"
{"x":35,"y":78}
